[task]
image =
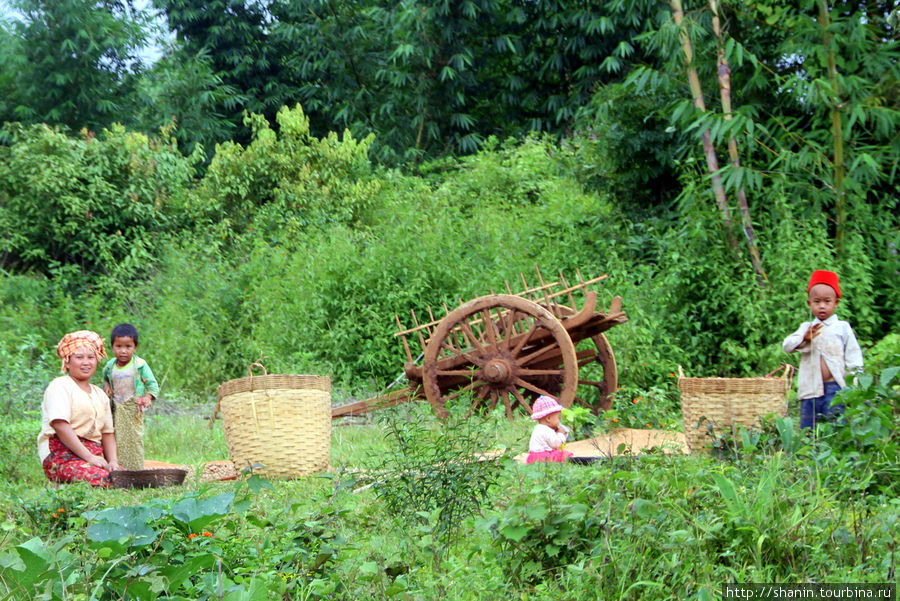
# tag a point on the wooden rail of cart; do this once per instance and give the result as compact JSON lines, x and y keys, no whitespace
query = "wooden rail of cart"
{"x":508,"y":349}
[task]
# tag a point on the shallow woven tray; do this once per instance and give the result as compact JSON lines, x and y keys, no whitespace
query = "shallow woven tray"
{"x":720,"y":404}
{"x":151,"y":478}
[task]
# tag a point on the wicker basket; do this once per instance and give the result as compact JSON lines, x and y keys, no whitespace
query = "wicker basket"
{"x":149,"y":478}
{"x":282,"y":422}
{"x":710,"y":405}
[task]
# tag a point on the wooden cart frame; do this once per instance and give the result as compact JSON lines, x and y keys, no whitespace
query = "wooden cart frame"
{"x":507,"y":349}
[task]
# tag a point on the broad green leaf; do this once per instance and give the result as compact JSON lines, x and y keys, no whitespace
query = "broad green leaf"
{"x":514,"y":533}
{"x":177,"y":574}
{"x":536,"y":511}
{"x":888,"y":375}
{"x":196,"y":513}
{"x":256,"y":591}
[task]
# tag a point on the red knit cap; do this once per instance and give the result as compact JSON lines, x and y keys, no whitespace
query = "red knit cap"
{"x":829,"y":278}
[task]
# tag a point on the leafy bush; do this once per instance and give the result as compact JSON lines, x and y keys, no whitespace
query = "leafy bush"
{"x":539,"y":532}
{"x":863,"y":440}
{"x":866,"y":439}
{"x":18,"y":437}
{"x":95,"y":204}
{"x":298,"y":179}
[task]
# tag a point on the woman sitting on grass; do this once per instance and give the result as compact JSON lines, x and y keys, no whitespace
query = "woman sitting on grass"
{"x":76,"y":440}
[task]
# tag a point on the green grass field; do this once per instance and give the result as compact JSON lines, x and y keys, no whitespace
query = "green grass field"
{"x":778,"y":508}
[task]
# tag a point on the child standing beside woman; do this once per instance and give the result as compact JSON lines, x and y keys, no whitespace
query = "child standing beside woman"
{"x":130,"y":384}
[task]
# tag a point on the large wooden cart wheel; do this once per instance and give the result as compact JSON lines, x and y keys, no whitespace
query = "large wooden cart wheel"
{"x":607,"y":386}
{"x":496,"y":349}
{"x":602,"y":354}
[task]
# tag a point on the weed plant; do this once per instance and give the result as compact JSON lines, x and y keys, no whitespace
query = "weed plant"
{"x":435,"y":476}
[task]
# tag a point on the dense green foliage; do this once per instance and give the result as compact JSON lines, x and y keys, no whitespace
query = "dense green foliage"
{"x":428,"y":78}
{"x":91,"y":206}
{"x":301,"y":251}
{"x":291,"y":174}
{"x":71,"y":63}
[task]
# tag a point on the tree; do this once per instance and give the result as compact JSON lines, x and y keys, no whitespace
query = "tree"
{"x":94,"y":205}
{"x":71,"y":62}
{"x":234,"y":37}
{"x":428,"y":78}
{"x":182,"y":94}
{"x":816,"y":90}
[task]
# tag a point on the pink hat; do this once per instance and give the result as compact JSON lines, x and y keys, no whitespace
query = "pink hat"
{"x":544,"y":406}
{"x":829,"y":278}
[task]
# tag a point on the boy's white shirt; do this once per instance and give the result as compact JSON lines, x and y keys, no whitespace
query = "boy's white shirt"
{"x":836,"y":343}
{"x":545,"y":438}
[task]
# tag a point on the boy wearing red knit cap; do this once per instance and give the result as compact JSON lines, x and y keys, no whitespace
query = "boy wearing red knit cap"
{"x":828,"y":351}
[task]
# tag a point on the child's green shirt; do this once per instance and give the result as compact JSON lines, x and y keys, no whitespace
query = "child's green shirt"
{"x":144,"y":381}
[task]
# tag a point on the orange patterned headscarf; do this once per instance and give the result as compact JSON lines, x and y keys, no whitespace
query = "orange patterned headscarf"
{"x":75,"y":340}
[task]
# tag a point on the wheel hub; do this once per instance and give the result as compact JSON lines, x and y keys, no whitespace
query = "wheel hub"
{"x":497,"y":371}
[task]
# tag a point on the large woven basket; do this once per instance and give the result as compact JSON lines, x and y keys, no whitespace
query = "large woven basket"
{"x":282,"y":422}
{"x":711,"y":406}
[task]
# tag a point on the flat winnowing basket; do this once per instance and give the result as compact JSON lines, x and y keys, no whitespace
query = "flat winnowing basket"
{"x":282,"y":422}
{"x":720,"y":404}
{"x":147,"y":478}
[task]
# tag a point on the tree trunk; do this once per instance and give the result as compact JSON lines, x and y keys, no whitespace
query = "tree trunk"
{"x":712,"y":162}
{"x":724,"y":76}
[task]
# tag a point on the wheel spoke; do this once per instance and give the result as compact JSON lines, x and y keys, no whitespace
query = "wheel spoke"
{"x":531,"y":387}
{"x":468,"y":355}
{"x":494,"y":398}
{"x":506,"y":402}
{"x":509,"y":327}
{"x":525,"y":338}
{"x":469,"y":335}
{"x":468,"y":373}
{"x":521,"y":399}
{"x":459,"y":391}
{"x":488,"y":325}
{"x":479,"y":398}
{"x":540,"y":372}
{"x":541,"y":351}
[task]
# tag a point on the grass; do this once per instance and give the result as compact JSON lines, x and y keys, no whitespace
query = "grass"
{"x":648,"y":527}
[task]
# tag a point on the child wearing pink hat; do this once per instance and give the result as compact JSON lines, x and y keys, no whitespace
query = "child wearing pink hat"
{"x":828,"y":351}
{"x":548,"y":436}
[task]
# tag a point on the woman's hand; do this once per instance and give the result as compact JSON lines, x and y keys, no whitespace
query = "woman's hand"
{"x":113,"y":466}
{"x":144,"y":402}
{"x":98,"y":461}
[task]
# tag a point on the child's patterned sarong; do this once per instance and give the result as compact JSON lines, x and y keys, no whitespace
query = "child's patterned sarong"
{"x":129,"y":420}
{"x":62,"y":465}
{"x":555,"y":456}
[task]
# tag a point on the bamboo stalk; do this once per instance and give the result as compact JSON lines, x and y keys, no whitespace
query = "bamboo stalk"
{"x":712,"y":162}
{"x":724,"y":78}
{"x":840,"y":209}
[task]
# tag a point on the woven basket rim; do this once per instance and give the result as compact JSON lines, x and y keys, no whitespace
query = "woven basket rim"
{"x":274,"y":382}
